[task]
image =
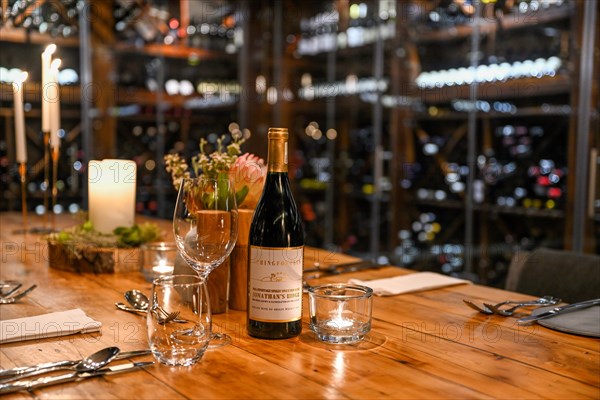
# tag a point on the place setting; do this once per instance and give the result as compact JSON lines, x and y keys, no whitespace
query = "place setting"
{"x":178,"y":310}
{"x":580,"y":318}
{"x":95,"y":365}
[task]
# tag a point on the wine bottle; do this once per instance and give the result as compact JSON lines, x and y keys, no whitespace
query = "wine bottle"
{"x":276,"y":252}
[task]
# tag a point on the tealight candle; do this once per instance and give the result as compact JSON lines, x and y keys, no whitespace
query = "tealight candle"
{"x":340,"y":313}
{"x":157,"y":259}
{"x":162,"y":268}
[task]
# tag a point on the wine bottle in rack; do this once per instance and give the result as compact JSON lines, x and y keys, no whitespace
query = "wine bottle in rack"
{"x":276,"y":251}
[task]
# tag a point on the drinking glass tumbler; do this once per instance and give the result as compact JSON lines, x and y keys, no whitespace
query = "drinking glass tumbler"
{"x":179,"y":319}
{"x":340,"y":313}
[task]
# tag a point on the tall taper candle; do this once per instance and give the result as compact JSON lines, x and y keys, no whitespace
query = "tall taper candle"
{"x":20,"y":119}
{"x":46,"y":61}
{"x":55,"y":105}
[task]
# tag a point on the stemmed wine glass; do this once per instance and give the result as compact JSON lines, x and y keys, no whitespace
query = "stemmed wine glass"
{"x":205,"y":224}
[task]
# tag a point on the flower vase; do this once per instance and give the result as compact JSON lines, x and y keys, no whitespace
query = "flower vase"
{"x":238,"y":294}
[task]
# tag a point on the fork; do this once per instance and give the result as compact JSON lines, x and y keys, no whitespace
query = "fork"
{"x":544,"y":301}
{"x":486,"y":309}
{"x":14,"y":298}
{"x":169,"y":317}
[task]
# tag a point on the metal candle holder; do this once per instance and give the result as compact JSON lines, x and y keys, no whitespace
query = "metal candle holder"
{"x":55,"y":154}
{"x":46,"y":174}
{"x":44,"y":229}
{"x":23,"y":175}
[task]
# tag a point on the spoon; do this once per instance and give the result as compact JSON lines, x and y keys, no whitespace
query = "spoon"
{"x":124,"y":307}
{"x":97,"y":360}
{"x":92,"y":362}
{"x":140,"y":301}
{"x":137,"y":299}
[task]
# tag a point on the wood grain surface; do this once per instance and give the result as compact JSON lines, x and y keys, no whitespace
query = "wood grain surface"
{"x":422,"y":345}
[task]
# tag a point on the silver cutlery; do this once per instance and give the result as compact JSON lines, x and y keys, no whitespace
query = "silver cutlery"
{"x":544,"y":301}
{"x":166,"y":318}
{"x":9,"y":287}
{"x":337,"y":269}
{"x":559,"y":310}
{"x":333,"y":267}
{"x":70,"y":377}
{"x":22,"y":372}
{"x":92,"y":362}
{"x":139,"y":302}
{"x":124,"y":307}
{"x":16,"y":297}
{"x":485,"y":310}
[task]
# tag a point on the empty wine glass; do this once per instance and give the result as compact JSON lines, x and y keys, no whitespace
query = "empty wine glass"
{"x":205,"y":225}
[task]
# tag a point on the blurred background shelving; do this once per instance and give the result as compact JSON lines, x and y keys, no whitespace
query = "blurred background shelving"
{"x":436,"y":134}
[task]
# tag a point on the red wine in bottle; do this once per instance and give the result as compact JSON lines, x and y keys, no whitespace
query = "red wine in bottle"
{"x":276,"y":252}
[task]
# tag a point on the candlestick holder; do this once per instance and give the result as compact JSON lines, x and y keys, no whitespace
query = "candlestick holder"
{"x":55,"y":154}
{"x":23,"y":176}
{"x":44,"y":229}
{"x":46,"y":174}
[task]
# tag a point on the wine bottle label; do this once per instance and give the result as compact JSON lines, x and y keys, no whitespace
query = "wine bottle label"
{"x":275,"y":285}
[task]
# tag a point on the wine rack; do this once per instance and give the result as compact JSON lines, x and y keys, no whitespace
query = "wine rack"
{"x":389,"y":144}
{"x":522,"y":178}
{"x":159,"y":100}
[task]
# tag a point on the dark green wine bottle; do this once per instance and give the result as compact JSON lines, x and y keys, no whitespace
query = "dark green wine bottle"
{"x":276,"y":252}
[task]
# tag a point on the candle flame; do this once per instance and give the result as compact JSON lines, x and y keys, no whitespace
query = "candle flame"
{"x":50,"y":49}
{"x":56,"y":64}
{"x":22,"y":77}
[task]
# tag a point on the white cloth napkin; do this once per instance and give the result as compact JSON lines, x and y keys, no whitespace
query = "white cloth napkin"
{"x":47,"y":325}
{"x":409,"y":283}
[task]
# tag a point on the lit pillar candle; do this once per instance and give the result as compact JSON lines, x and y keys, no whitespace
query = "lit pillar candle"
{"x":111,"y":191}
{"x":54,"y":105}
{"x":20,"y":119}
{"x":46,"y":61}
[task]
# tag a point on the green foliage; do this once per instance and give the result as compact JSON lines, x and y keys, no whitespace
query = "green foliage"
{"x":83,"y":235}
{"x":136,"y":235}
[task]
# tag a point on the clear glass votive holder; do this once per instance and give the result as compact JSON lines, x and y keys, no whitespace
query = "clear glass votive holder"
{"x":340,"y":313}
{"x":179,"y":321}
{"x":157,"y":259}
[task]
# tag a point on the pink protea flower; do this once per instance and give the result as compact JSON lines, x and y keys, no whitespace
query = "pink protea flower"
{"x":250,"y":171}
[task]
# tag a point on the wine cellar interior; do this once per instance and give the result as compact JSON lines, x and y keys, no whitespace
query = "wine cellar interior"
{"x":438,"y":135}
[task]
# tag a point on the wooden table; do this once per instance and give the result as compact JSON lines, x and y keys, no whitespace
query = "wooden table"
{"x":422,"y":345}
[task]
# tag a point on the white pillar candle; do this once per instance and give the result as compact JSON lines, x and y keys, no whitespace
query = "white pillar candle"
{"x":54,"y":105}
{"x":111,"y":191}
{"x":20,"y":119}
{"x":46,"y":61}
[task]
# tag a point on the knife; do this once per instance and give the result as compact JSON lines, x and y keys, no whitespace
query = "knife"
{"x":560,"y":310}
{"x":22,"y":372}
{"x":337,"y":269}
{"x":332,"y":267}
{"x":70,"y":377}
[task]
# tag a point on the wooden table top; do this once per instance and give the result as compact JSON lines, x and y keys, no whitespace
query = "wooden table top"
{"x":422,"y":345}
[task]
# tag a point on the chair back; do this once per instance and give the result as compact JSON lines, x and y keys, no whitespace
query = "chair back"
{"x":571,"y":276}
